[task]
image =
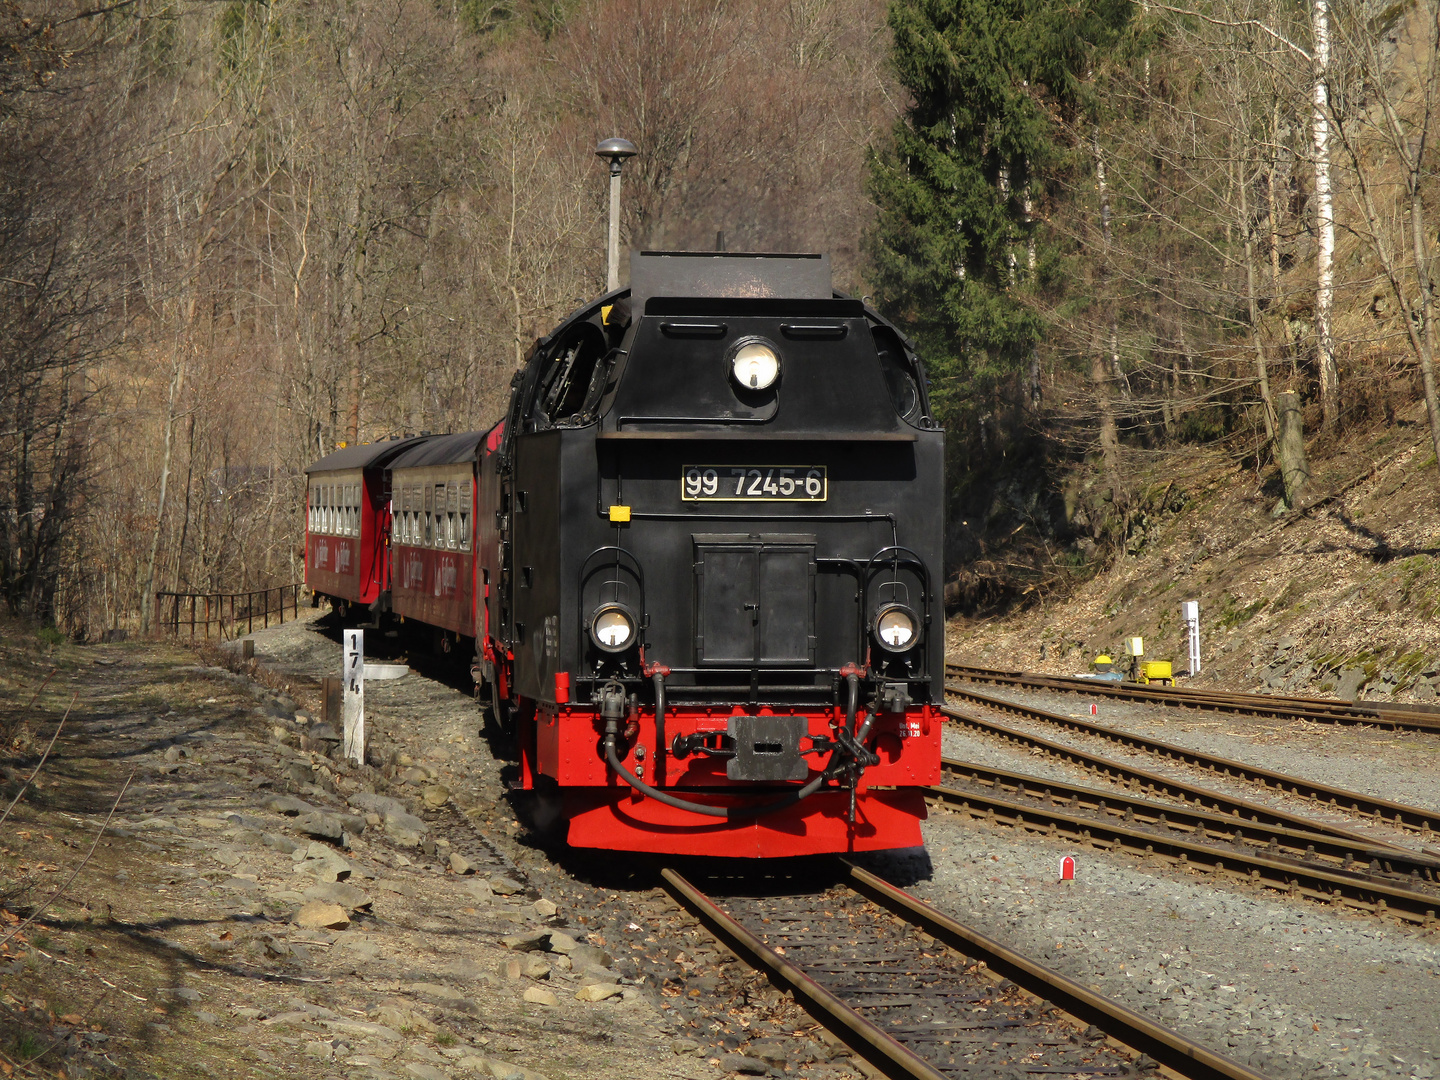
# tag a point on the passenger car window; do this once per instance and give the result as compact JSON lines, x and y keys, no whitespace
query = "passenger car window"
{"x":465,"y":504}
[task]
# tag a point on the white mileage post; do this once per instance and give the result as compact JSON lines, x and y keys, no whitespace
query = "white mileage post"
{"x":353,"y":674}
{"x":748,"y":483}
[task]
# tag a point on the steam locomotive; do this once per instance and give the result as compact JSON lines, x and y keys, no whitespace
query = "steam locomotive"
{"x":698,"y":562}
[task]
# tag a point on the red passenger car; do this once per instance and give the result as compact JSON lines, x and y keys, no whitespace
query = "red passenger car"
{"x":347,"y":526}
{"x":432,"y":488}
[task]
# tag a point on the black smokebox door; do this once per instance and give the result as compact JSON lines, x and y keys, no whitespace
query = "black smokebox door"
{"x":755,"y":600}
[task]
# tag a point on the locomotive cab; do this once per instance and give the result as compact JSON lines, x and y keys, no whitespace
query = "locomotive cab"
{"x":709,"y":546}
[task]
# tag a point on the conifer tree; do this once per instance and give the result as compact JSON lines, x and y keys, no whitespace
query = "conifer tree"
{"x":955,"y":245}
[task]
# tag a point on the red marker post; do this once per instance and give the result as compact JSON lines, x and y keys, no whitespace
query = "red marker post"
{"x":1067,"y":868}
{"x":1094,"y":710}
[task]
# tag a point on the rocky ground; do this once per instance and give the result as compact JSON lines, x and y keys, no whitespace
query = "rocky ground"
{"x":255,"y":908}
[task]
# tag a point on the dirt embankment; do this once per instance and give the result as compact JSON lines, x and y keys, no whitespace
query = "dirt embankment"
{"x":1340,"y":597}
{"x":257,"y":908}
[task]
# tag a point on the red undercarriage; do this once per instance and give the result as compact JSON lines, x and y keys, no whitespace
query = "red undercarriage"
{"x":563,"y":742}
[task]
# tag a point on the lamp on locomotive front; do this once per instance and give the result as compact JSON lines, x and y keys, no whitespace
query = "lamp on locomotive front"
{"x":617,"y":150}
{"x":755,"y":365}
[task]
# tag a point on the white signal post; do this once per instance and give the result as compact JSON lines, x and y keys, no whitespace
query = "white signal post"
{"x":353,"y":673}
{"x":1190,"y":613}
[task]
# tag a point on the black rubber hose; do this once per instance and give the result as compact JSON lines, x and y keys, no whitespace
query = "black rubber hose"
{"x":728,"y":812}
{"x":660,"y":743}
{"x":852,"y":702}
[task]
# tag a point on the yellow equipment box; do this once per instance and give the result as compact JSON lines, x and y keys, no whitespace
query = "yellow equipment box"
{"x":1157,"y":671}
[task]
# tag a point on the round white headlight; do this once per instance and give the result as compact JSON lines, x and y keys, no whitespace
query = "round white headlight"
{"x":895,"y":628}
{"x":756,"y":367}
{"x":612,"y":628}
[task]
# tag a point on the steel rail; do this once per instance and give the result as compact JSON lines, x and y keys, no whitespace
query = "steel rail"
{"x":877,"y":1047}
{"x":1413,"y":818}
{"x":1252,"y":812}
{"x":1187,"y":695}
{"x":1319,"y":710}
{"x":1291,"y":877}
{"x":882,"y":1051}
{"x":1277,"y":841}
{"x":1171,"y":1049}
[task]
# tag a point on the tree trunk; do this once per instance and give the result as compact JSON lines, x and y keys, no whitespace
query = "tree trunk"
{"x":1262,"y":376}
{"x":147,"y":593}
{"x":1104,"y":367}
{"x":1427,"y":310}
{"x":356,"y":308}
{"x":359,"y":237}
{"x":1290,"y":449}
{"x":1103,"y":187}
{"x":1109,"y":435}
{"x":1324,"y":222}
{"x":1419,"y":245}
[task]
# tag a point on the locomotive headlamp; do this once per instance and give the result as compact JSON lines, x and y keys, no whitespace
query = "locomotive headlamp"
{"x":612,"y":628}
{"x":755,"y":366}
{"x":895,"y":627}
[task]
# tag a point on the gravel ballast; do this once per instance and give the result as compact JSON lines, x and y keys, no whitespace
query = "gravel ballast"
{"x":1293,"y":989}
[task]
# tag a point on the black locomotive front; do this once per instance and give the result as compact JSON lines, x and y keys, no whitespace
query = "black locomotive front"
{"x":710,"y":544}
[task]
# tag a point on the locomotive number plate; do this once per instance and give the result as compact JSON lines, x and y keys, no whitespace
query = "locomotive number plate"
{"x":769,"y":483}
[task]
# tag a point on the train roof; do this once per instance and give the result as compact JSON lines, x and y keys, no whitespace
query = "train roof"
{"x":670,"y":277}
{"x":364,"y":456}
{"x":441,"y":450}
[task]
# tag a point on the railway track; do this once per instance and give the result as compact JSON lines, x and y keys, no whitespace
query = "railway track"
{"x":1382,"y":811}
{"x":862,"y":957}
{"x":1145,"y":781}
{"x":1317,"y":843}
{"x":1309,"y":864}
{"x":1320,"y":710}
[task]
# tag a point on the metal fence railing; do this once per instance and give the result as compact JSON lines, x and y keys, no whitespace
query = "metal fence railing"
{"x":229,"y":613}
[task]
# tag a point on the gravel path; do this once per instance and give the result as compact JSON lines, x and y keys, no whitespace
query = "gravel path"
{"x":1293,"y":989}
{"x":707,"y":1014}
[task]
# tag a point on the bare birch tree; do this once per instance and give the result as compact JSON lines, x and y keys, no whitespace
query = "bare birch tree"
{"x":1396,"y":61}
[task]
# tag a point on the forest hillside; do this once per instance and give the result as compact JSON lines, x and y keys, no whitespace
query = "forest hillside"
{"x":1341,"y":598}
{"x":1130,"y":240}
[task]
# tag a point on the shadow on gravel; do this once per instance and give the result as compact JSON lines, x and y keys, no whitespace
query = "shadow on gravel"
{"x":902,"y":867}
{"x":789,"y":876}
